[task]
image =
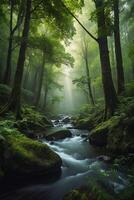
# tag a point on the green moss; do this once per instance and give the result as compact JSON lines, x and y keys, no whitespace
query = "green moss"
{"x":25,"y":156}
{"x":32,"y":120}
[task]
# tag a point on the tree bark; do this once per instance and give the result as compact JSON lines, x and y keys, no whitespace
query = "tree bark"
{"x":16,"y":91}
{"x":37,"y":96}
{"x":7,"y":73}
{"x":89,"y":82}
{"x":108,"y":86}
{"x":118,"y":51}
{"x":45,"y":95}
{"x":35,"y":80}
{"x":113,"y":64}
{"x":85,"y":56}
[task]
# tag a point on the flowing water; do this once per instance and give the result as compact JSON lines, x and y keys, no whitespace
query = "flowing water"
{"x":80,"y":165}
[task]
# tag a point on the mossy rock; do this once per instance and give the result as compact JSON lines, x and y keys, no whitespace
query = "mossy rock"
{"x":57,"y":133}
{"x":25,"y":157}
{"x":84,"y":123}
{"x":99,"y":135}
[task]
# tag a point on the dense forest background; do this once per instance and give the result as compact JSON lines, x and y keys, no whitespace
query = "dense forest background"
{"x":42,"y":77}
{"x":72,"y":58}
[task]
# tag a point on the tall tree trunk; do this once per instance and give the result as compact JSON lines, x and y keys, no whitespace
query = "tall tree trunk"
{"x":113,"y":64}
{"x":37,"y":96}
{"x":7,"y":73}
{"x":89,"y":81}
{"x":16,"y":91}
{"x":26,"y":77}
{"x":108,"y":86}
{"x":45,"y":95}
{"x":85,"y":56}
{"x":118,"y":52}
{"x":35,"y":78}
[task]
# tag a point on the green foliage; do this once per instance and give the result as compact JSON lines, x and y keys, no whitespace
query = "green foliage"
{"x":32,"y":119}
{"x":130,"y":89}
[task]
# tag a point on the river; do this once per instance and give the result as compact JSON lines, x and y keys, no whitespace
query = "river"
{"x":81,"y":164}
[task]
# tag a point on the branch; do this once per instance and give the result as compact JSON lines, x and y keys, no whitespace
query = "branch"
{"x":20,"y":17}
{"x":78,"y":21}
{"x":36,"y":6}
{"x":15,"y":47}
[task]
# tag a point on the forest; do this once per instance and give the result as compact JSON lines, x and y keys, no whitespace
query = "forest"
{"x":66,"y":100}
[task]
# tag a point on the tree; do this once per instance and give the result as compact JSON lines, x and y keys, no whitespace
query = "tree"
{"x":110,"y":96}
{"x":15,"y":98}
{"x":85,"y":56}
{"x":118,"y":51}
{"x":12,"y":30}
{"x":49,"y":10}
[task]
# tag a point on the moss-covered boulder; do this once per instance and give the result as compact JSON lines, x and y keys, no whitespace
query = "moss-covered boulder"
{"x":116,"y":134}
{"x":25,"y":157}
{"x":121,"y":138}
{"x":57,"y":133}
{"x":83,"y":123}
{"x":100,"y":134}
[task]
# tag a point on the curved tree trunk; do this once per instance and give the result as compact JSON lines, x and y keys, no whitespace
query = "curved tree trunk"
{"x":118,"y":52}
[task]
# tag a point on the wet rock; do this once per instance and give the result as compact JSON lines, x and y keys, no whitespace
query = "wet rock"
{"x":98,"y":139}
{"x":57,"y":133}
{"x":104,"y":158}
{"x":23,"y":157}
{"x":66,"y":120}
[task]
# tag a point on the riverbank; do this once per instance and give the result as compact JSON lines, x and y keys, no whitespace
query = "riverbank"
{"x":21,"y":155}
{"x":84,"y":167}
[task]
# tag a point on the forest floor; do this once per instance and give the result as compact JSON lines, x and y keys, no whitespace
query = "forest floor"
{"x":21,"y":153}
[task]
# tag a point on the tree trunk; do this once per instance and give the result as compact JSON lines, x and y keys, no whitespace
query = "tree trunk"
{"x":118,"y":52}
{"x":108,"y":86}
{"x":16,"y":91}
{"x":37,"y":98}
{"x":89,"y":81}
{"x":45,"y":96}
{"x":35,"y":79}
{"x":7,"y":73}
{"x":113,"y":64}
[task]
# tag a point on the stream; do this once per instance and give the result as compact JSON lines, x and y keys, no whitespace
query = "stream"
{"x":81,"y":164}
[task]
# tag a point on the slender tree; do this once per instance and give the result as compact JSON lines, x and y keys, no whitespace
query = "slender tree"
{"x":12,"y":30}
{"x":118,"y":51}
{"x":85,"y":56}
{"x":40,"y":82}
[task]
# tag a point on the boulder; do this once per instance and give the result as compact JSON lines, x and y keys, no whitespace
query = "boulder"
{"x":57,"y":133}
{"x":26,"y":158}
{"x":66,"y":120}
{"x":98,"y":137}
